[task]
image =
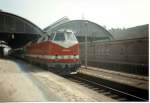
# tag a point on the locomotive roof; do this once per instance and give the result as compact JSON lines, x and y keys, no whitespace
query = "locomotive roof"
{"x":64,"y":30}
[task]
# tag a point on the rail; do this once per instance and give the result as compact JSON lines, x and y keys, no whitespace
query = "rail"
{"x":101,"y":86}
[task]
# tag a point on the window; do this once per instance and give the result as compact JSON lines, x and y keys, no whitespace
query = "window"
{"x":45,"y":38}
{"x":40,"y":39}
{"x":51,"y":36}
{"x":70,"y":36}
{"x":59,"y":37}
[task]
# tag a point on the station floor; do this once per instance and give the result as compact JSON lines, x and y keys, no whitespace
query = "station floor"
{"x":20,"y":81}
{"x":119,"y":77}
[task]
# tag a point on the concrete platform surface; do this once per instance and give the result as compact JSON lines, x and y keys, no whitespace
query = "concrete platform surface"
{"x":20,"y":81}
{"x":15,"y":85}
{"x":124,"y":78}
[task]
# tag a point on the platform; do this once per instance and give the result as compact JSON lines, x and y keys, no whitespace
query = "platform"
{"x":124,"y":78}
{"x":20,"y":81}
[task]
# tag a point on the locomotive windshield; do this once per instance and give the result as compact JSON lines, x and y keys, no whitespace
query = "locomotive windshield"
{"x":52,"y":36}
{"x":63,"y":36}
{"x":70,"y":36}
{"x":59,"y":37}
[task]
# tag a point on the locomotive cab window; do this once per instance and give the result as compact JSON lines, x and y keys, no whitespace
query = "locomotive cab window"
{"x":70,"y":36}
{"x":59,"y":37}
{"x":51,"y":37}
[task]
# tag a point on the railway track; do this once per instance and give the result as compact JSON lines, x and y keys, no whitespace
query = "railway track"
{"x":108,"y":88}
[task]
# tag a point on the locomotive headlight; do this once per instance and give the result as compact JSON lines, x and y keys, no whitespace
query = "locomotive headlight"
{"x":77,"y":57}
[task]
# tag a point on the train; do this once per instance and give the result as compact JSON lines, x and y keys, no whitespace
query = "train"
{"x":59,"y":52}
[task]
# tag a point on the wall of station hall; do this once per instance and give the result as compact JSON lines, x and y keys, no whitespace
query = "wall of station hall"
{"x":129,"y":56}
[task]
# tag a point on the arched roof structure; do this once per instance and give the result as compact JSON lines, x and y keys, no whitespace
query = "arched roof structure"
{"x":82,"y":28}
{"x":11,"y":23}
{"x":17,"y":31}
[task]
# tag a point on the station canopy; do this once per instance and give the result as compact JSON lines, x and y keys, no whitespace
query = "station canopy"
{"x":81,"y":28}
{"x":17,"y":31}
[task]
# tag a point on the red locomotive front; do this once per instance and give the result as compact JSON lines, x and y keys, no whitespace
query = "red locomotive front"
{"x":59,"y":52}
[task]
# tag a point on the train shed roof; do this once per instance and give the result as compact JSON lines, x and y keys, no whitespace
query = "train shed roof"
{"x":82,"y":28}
{"x":17,"y":31}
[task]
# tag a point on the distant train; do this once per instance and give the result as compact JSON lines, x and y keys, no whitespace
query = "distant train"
{"x":59,"y":52}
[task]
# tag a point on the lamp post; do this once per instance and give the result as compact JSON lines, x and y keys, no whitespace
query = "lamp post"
{"x":86,"y":28}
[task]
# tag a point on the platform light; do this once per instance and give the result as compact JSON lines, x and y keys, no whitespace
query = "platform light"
{"x":13,"y":36}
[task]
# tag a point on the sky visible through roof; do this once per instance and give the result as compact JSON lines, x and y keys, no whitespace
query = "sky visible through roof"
{"x":111,"y":13}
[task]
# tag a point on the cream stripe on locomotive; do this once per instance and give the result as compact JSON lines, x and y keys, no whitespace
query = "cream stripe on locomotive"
{"x":55,"y":57}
